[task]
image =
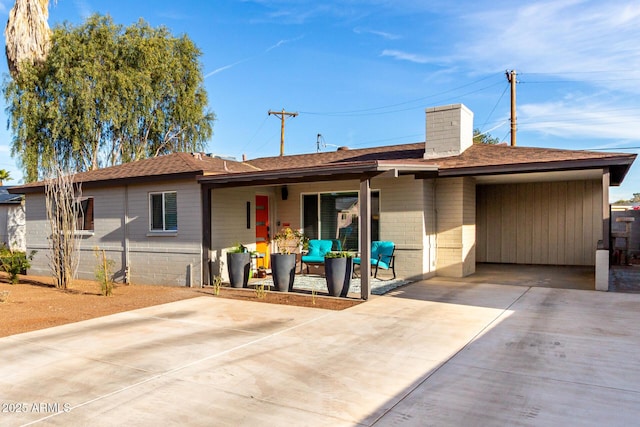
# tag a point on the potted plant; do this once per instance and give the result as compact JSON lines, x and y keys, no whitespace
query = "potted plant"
{"x":338,"y":268}
{"x":238,"y":266}
{"x":283,"y":262}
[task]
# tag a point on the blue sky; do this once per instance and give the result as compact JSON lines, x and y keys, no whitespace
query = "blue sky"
{"x":361,"y":72}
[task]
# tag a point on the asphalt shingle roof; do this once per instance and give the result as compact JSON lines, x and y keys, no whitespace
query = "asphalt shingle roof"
{"x":477,"y":156}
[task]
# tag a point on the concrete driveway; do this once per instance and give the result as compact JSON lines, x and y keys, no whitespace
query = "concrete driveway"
{"x":432,"y":353}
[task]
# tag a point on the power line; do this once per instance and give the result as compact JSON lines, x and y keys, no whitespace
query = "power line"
{"x":576,"y":81}
{"x":344,"y":114}
{"x":255,"y":133}
{"x":365,"y":110}
{"x":577,"y":72}
{"x":415,"y":135}
{"x":495,"y":106}
{"x":493,"y":128}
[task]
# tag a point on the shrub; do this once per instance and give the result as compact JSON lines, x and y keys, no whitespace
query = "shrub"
{"x":103,"y":272}
{"x":15,"y":262}
{"x":338,"y":254}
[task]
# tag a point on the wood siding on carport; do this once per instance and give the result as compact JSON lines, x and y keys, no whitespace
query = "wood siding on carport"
{"x":556,"y":223}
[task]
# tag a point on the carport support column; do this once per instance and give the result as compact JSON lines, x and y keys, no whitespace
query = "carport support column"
{"x":602,"y":252}
{"x":365,"y":238}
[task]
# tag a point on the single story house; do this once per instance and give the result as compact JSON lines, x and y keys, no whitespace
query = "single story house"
{"x":446,"y":203}
{"x":12,"y":220}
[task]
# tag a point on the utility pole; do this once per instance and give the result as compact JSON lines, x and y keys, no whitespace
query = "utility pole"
{"x":511,"y":77}
{"x":283,"y":115}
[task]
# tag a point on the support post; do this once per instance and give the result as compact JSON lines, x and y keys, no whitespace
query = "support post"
{"x":602,"y":251}
{"x":606,"y":210}
{"x":511,"y":77}
{"x":365,"y":238}
{"x":206,"y":235}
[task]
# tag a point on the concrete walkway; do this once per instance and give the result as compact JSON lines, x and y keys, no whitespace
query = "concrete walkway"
{"x":431,"y":353}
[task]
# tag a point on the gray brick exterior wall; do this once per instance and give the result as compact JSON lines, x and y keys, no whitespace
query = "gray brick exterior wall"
{"x":154,"y":258}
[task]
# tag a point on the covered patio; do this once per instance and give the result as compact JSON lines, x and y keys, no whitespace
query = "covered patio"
{"x":285,"y":189}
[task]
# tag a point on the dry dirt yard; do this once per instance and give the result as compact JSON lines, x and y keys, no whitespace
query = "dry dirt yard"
{"x":35,"y":303}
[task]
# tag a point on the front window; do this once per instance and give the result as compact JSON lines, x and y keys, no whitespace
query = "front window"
{"x":84,"y":214}
{"x":335,"y":216}
{"x":163,"y":211}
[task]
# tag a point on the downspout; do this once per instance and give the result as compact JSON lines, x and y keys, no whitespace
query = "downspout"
{"x":127,"y":270}
{"x":435,"y":225}
{"x":207,"y":276}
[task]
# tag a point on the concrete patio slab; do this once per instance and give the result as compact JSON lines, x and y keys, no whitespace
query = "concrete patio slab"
{"x":437,"y":352}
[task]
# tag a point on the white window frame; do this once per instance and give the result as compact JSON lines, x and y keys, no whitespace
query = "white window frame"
{"x":81,"y":214}
{"x":164,"y":206}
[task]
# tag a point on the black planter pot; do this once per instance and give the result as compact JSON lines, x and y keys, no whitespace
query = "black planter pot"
{"x":338,"y":273}
{"x":238,"y":265}
{"x":283,"y":271}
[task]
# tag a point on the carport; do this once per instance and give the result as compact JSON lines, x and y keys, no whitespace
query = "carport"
{"x":546,"y":218}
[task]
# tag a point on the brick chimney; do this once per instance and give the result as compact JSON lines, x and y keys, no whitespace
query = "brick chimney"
{"x":449,"y":131}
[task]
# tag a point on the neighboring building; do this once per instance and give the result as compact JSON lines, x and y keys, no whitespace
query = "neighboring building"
{"x":12,"y":220}
{"x":446,"y":203}
{"x":623,"y":217}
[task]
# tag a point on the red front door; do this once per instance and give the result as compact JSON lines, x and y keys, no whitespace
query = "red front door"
{"x":262,"y":228}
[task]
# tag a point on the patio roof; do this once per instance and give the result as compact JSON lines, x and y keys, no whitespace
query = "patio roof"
{"x":326,"y":172}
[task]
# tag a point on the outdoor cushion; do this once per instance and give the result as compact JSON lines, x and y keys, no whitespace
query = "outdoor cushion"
{"x":382,"y":256}
{"x":382,"y":250}
{"x":379,"y":247}
{"x":317,"y":249}
{"x":312,"y":259}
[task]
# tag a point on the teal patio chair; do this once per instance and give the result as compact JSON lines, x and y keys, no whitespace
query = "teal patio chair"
{"x":317,"y":251}
{"x":382,"y":256}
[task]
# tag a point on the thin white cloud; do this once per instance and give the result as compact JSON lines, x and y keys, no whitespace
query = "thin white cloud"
{"x":560,"y":37}
{"x":383,"y":34}
{"x":282,"y":42}
{"x":173,"y":15}
{"x":226,"y":67}
{"x":578,"y":119}
{"x":267,"y":50}
{"x":405,"y":56}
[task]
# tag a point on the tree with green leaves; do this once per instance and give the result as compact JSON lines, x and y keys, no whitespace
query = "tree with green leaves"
{"x":107,"y":95}
{"x":5,"y":175}
{"x":634,"y":199}
{"x":484,"y":138}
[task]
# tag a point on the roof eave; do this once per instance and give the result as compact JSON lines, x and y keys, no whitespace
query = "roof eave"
{"x":39,"y":187}
{"x":619,"y":166}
